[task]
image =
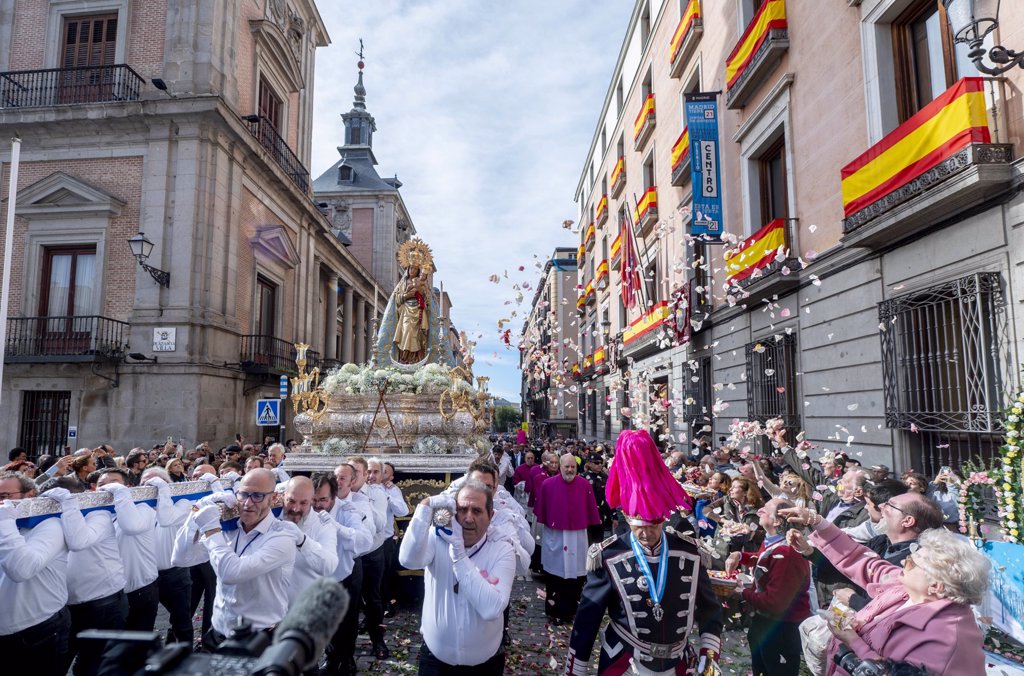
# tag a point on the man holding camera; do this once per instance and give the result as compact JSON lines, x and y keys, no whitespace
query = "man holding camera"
{"x":467,"y":581}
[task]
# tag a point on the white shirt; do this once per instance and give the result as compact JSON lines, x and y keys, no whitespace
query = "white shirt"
{"x":505,"y":469}
{"x":564,"y":552}
{"x":463,"y":628}
{"x":318,"y":555}
{"x":95,"y":569}
{"x":378,"y":500}
{"x":253,"y":572}
{"x":354,"y":534}
{"x":33,"y":574}
{"x":135,"y":526}
{"x":170,"y":516}
{"x":397,"y":506}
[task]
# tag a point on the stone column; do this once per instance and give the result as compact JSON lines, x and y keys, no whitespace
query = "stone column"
{"x":331,"y":331}
{"x":360,"y":330}
{"x":346,"y":329}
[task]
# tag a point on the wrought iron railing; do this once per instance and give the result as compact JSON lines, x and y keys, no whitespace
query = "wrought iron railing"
{"x":267,"y":354}
{"x":82,"y":338}
{"x":264,"y":132}
{"x":69,"y":86}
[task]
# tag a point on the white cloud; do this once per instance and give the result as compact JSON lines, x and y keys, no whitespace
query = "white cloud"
{"x":485,"y":111}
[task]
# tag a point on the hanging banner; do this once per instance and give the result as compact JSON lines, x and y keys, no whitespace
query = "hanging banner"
{"x":702,"y":123}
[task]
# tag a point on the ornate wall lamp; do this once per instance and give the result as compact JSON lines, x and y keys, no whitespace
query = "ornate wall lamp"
{"x":141,"y":248}
{"x":971,"y":29}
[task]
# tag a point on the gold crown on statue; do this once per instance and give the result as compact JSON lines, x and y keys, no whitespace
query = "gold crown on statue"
{"x":415,"y":252}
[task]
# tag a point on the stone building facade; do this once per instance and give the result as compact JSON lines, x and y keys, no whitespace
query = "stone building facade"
{"x":190,"y":122}
{"x":868,"y":289}
{"x":548,"y":350}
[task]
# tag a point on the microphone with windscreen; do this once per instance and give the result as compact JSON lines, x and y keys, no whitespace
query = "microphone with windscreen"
{"x":305,"y":631}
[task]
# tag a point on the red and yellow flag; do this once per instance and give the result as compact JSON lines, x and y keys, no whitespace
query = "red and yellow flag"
{"x":589,"y":239}
{"x":755,"y":252}
{"x":581,"y":252}
{"x":681,"y":150}
{"x":602,"y":270}
{"x":602,"y":208}
{"x":620,"y":167}
{"x":952,"y":121}
{"x":616,"y":245}
{"x":646,"y":110}
{"x":599,"y":356}
{"x":646,"y":203}
{"x":772,"y":14}
{"x":646,"y":323}
{"x":685,"y":21}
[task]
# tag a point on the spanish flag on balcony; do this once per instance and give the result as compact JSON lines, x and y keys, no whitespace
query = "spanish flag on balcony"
{"x":589,"y":239}
{"x":602,"y":207}
{"x":755,"y":252}
{"x":617,"y":171}
{"x":772,"y":14}
{"x":616,"y":246}
{"x":599,"y":356}
{"x":942,"y":128}
{"x":602,"y":271}
{"x":685,"y":21}
{"x":646,"y":323}
{"x":647,"y":202}
{"x":681,"y":150}
{"x":646,"y":111}
{"x":581,"y":252}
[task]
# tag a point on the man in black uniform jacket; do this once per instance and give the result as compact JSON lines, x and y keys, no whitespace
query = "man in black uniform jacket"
{"x":650,"y":580}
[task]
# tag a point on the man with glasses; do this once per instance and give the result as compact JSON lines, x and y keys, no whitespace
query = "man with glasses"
{"x":253,"y":563}
{"x":35,"y":623}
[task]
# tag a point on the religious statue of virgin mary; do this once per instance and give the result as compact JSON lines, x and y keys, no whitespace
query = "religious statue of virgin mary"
{"x":410,"y":330}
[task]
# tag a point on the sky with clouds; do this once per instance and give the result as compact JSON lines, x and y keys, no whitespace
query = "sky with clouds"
{"x":485,"y":111}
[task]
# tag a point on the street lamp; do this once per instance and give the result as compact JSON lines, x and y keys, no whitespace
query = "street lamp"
{"x":971,"y":29}
{"x":141,"y":248}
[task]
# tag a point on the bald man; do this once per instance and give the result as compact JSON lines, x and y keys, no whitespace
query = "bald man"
{"x":317,"y":553}
{"x":253,"y":563}
{"x":566,"y":507}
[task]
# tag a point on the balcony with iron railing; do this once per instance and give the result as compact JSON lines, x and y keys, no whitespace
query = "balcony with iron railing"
{"x":69,"y":86}
{"x":89,"y":338}
{"x":940,"y":163}
{"x":264,"y":131}
{"x":269,"y":355}
{"x":761,"y":264}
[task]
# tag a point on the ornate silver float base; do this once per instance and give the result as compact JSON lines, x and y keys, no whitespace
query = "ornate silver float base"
{"x":304,"y":461}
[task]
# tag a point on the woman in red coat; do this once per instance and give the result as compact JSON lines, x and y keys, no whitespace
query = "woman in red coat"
{"x":919,"y":613}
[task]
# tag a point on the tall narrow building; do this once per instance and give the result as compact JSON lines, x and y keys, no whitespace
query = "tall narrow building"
{"x":367,"y":211}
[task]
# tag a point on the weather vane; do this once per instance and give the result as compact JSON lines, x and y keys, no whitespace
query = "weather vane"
{"x":360,"y":54}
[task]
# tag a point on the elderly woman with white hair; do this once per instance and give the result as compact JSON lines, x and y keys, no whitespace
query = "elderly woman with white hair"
{"x":919,"y":613}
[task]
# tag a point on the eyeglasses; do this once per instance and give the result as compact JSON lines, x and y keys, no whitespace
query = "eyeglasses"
{"x":257,"y":498}
{"x":889,"y":504}
{"x":8,"y":496}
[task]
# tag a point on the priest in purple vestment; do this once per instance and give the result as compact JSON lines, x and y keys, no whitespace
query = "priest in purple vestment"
{"x":565,"y":508}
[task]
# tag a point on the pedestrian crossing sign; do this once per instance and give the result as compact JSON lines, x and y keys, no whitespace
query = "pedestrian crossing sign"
{"x":268,"y":412}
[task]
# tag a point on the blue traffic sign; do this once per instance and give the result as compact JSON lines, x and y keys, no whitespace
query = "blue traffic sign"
{"x":268,"y":412}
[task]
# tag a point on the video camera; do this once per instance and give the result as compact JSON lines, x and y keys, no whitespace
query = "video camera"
{"x":856,"y":666}
{"x":297,"y":644}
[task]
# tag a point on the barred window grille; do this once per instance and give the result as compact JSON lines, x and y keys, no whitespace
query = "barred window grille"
{"x":44,"y":422}
{"x":942,"y":369}
{"x":698,"y":397}
{"x":771,"y":382}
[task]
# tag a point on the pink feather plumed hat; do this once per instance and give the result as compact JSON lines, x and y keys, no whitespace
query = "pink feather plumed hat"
{"x":639,"y":482}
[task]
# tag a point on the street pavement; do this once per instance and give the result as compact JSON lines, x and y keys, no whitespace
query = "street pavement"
{"x":537,"y":647}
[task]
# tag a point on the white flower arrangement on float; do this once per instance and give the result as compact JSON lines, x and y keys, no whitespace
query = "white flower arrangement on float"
{"x":429,"y":445}
{"x":338,"y":446}
{"x":356,"y":379}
